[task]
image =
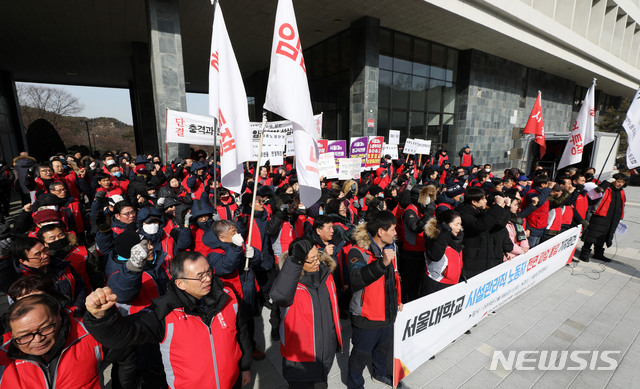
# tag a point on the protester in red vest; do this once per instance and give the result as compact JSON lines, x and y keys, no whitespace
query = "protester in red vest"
{"x":605,"y":219}
{"x":376,"y":298}
{"x":310,"y":327}
{"x":198,"y":323}
{"x":48,"y":348}
{"x":466,"y":159}
{"x":537,"y":220}
{"x":64,"y":245}
{"x":443,"y":249}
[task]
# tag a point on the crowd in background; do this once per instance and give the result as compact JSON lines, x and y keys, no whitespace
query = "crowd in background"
{"x":157,"y":269}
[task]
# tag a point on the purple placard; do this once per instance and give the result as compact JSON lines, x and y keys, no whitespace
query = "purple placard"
{"x":338,"y":148}
{"x":358,"y":149}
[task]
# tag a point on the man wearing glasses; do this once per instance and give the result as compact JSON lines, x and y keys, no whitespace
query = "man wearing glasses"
{"x":203,"y":338}
{"x":48,"y":349}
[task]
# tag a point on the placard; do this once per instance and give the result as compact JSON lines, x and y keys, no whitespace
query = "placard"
{"x":327,"y":165}
{"x":394,"y":137}
{"x":391,"y":150}
{"x":349,"y":168}
{"x":374,"y":152}
{"x":358,"y":149}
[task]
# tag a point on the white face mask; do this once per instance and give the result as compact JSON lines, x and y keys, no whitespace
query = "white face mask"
{"x":151,"y":229}
{"x":487,"y":170}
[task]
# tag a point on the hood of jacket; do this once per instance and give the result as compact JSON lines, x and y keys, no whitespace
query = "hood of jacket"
{"x":362,"y":237}
{"x":324,"y":259}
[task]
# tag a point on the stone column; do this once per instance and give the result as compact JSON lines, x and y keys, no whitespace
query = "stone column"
{"x":142,"y":101}
{"x":12,"y":135}
{"x":167,"y":69}
{"x":365,"y":39}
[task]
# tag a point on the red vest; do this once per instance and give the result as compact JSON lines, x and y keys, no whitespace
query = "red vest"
{"x":465,"y":160}
{"x":567,"y":214}
{"x":412,"y":241}
{"x":196,"y":354}
{"x":448,"y":269}
{"x":226,"y":211}
{"x":231,"y":280}
{"x":69,"y":181}
{"x":78,"y":366}
{"x":299,"y":341}
{"x":605,"y":203}
{"x":539,"y":217}
{"x":554,"y":221}
{"x":582,"y":205}
{"x":73,"y":210}
{"x":78,"y":258}
{"x":373,"y":308}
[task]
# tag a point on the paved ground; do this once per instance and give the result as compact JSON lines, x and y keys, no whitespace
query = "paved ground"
{"x":589,"y":306}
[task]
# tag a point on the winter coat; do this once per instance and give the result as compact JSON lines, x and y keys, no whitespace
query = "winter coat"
{"x":519,"y":247}
{"x":376,"y":287}
{"x":292,"y":290}
{"x":608,"y":213}
{"x":204,"y":325}
{"x":479,"y":245}
{"x":22,"y":165}
{"x":443,"y":250}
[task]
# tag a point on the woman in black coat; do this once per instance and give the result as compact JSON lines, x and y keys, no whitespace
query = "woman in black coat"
{"x":478,"y":223}
{"x":604,"y":221}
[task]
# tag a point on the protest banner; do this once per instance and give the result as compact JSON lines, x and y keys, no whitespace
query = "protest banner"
{"x":273,"y":143}
{"x":391,"y":150}
{"x":374,"y":152}
{"x":394,"y":137}
{"x":410,"y":146}
{"x":358,"y":149}
{"x":322,"y":146}
{"x":422,"y":146}
{"x":349,"y":168}
{"x":327,"y":165}
{"x":183,"y":127}
{"x":338,"y":148}
{"x":429,"y":324}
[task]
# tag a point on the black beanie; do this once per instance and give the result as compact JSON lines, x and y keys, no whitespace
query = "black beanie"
{"x":125,"y":241}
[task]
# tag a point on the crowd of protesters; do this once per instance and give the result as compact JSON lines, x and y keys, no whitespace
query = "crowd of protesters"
{"x":157,"y":269}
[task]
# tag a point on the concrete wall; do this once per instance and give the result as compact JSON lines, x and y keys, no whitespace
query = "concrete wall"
{"x":490,"y":90}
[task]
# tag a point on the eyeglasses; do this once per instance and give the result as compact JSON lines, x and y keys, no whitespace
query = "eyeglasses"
{"x":315,"y":259}
{"x":202,"y":277}
{"x":28,"y":338}
{"x":46,"y":171}
{"x":127,"y":214}
{"x":41,"y":254}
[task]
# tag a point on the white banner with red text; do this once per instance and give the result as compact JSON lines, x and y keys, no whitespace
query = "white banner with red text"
{"x":427,"y":325}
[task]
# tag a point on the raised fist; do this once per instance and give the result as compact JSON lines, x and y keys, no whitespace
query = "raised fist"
{"x":99,"y":301}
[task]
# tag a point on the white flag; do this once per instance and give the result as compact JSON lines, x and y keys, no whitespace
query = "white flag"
{"x":288,"y":96}
{"x":632,"y":126}
{"x":228,"y":104}
{"x":582,"y":132}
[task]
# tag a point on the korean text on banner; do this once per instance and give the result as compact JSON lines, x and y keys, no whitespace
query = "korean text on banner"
{"x":322,"y":146}
{"x":394,"y":137}
{"x":429,"y":324}
{"x":391,"y":150}
{"x":410,"y":146}
{"x":358,"y":149}
{"x":374,"y":152}
{"x":327,"y":165}
{"x":632,"y":127}
{"x":288,"y":96}
{"x":228,"y":104}
{"x":422,"y":146}
{"x":191,"y":129}
{"x":581,"y":131}
{"x":349,"y":168}
{"x":339,"y":150}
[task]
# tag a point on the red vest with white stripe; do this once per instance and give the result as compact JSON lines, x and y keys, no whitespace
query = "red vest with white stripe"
{"x":582,"y":205}
{"x":412,"y":241}
{"x":299,"y":341}
{"x":448,"y":269}
{"x":196,"y":354}
{"x":78,"y":365}
{"x":554,"y":221}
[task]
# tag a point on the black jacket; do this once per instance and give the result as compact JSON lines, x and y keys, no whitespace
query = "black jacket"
{"x":326,"y":344}
{"x":602,"y":228}
{"x":480,"y":230}
{"x":148,"y":326}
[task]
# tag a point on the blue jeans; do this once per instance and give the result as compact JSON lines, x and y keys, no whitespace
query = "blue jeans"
{"x":535,"y":236}
{"x":374,"y":345}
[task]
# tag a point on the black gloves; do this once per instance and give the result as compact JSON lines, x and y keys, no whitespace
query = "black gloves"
{"x":299,"y":250}
{"x":102,"y":222}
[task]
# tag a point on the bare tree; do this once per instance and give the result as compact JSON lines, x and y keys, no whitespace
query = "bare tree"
{"x":50,"y":103}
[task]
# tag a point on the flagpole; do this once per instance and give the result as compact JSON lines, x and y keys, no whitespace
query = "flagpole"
{"x":215,"y":166}
{"x":608,"y":155}
{"x":255,"y":191}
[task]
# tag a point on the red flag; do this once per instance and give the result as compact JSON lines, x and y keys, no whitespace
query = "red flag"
{"x":535,"y":125}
